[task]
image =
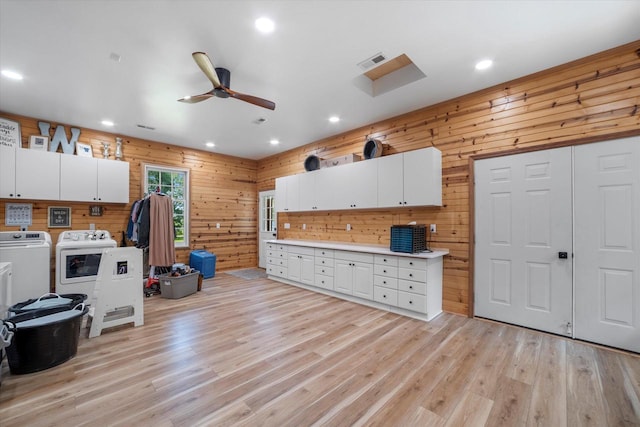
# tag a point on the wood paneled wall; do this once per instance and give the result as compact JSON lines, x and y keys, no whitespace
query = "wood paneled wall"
{"x":592,"y":99}
{"x":222,"y":190}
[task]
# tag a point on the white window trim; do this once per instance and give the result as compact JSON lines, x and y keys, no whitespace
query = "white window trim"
{"x":145,"y":168}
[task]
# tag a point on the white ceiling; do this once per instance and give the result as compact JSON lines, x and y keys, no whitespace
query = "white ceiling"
{"x":307,"y":66}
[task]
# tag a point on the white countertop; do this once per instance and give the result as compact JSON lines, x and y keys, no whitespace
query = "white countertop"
{"x":356,"y":247}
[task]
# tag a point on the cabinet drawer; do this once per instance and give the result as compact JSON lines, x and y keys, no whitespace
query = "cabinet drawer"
{"x":276,"y":247}
{"x":301,"y":250}
{"x":353,"y":256}
{"x":410,"y":286}
{"x":387,"y":282}
{"x":324,"y":270}
{"x":276,"y":270}
{"x":412,"y":302}
{"x":274,"y":253}
{"x":324,"y":261}
{"x":277,"y":261}
{"x":385,"y":270}
{"x":323,"y":281}
{"x":385,"y":295}
{"x":406,"y":262}
{"x":386,"y":260}
{"x":324,"y":252}
{"x":411,"y":274}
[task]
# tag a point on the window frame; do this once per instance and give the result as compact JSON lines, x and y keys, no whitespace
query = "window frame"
{"x":146,"y":168}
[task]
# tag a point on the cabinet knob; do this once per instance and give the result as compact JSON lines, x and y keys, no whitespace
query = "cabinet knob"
{"x":18,"y":195}
{"x":384,"y":282}
{"x":384,"y":296}
{"x":399,"y":203}
{"x":410,"y":275}
{"x":410,"y":262}
{"x":410,"y":287}
{"x":410,"y":302}
{"x":384,"y":271}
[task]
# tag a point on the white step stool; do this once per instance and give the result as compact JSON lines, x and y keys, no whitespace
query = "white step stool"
{"x":118,"y":294}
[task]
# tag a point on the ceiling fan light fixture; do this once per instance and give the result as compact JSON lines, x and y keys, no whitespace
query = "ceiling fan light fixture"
{"x":265,"y":25}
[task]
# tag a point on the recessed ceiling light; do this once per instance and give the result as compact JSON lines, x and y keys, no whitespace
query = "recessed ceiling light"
{"x":210,"y":144}
{"x":484,"y":64}
{"x":334,"y":119}
{"x":265,"y":25}
{"x":12,"y":75}
{"x":107,"y":122}
{"x":274,"y":142}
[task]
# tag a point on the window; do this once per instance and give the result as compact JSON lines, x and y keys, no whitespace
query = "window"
{"x":174,"y":182}
{"x":268,"y":213}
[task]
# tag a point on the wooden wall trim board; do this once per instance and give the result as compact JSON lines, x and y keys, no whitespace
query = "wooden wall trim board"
{"x":591,"y":99}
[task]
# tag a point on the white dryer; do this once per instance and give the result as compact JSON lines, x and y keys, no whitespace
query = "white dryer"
{"x":78,"y":255}
{"x":29,"y":253}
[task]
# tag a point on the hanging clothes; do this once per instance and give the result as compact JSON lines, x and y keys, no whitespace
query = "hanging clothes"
{"x":161,"y":232}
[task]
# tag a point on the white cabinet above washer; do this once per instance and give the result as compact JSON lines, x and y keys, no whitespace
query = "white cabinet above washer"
{"x":89,"y":179}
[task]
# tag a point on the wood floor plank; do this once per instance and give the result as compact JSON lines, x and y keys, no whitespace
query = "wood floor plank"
{"x":261,"y":353}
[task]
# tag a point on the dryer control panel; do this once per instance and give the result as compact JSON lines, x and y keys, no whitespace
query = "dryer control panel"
{"x":83,"y":235}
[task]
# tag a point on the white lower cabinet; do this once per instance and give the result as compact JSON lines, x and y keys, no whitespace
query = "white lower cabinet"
{"x":277,"y":260}
{"x":406,"y":284}
{"x":300,"y":265}
{"x":354,"y":274}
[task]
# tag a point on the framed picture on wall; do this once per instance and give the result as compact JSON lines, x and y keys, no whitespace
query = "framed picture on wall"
{"x":84,"y":150}
{"x":38,"y":142}
{"x":59,"y":217}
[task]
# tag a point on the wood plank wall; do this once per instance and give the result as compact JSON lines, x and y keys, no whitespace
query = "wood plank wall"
{"x":222,"y":190}
{"x":592,"y":99}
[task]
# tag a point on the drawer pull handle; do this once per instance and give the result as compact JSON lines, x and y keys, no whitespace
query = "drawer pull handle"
{"x":385,"y":260}
{"x":384,"y":282}
{"x":410,"y":287}
{"x":410,"y":302}
{"x":384,"y":296}
{"x":410,"y":275}
{"x":384,"y":271}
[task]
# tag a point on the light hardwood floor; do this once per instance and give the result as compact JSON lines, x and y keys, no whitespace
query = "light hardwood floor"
{"x":260,"y":353}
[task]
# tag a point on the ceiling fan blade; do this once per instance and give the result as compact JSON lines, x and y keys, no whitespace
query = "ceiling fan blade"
{"x":196,"y":98}
{"x":207,"y":68}
{"x":251,"y":99}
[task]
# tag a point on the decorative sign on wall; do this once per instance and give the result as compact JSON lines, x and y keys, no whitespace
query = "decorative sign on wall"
{"x":59,"y":217}
{"x":10,"y":135}
{"x":60,"y":138}
{"x":95,"y":210}
{"x":18,"y":214}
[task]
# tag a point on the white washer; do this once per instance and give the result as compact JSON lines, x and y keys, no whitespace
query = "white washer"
{"x":29,"y":253}
{"x":78,"y":255}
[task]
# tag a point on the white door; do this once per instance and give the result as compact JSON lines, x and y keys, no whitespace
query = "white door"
{"x":523,"y":221}
{"x":607,"y":224}
{"x":266,"y":225}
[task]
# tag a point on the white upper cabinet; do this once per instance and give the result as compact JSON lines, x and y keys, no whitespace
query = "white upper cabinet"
{"x":287,"y":196}
{"x":413,"y":178}
{"x":37,"y":175}
{"x":7,"y":172}
{"x":85,"y":179}
{"x":423,"y":177}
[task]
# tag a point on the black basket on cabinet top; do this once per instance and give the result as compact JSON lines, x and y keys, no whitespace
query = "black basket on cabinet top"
{"x":408,"y":238}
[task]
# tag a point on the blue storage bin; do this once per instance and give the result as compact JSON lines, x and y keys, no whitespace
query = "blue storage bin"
{"x":204,"y":262}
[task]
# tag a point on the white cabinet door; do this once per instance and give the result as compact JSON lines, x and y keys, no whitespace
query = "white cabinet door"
{"x":294,"y":267}
{"x":343,"y":276}
{"x":307,"y":191}
{"x":307,"y":270}
{"x":7,"y":172}
{"x":287,"y":193}
{"x":113,"y":181}
{"x":422,"y":177}
{"x":390,"y":181}
{"x":363,"y":280}
{"x":37,"y":174}
{"x":363,"y":184}
{"x":607,"y":224}
{"x":78,"y":178}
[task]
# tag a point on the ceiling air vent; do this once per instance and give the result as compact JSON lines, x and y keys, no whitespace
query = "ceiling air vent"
{"x":370,"y":62}
{"x":146,"y":127}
